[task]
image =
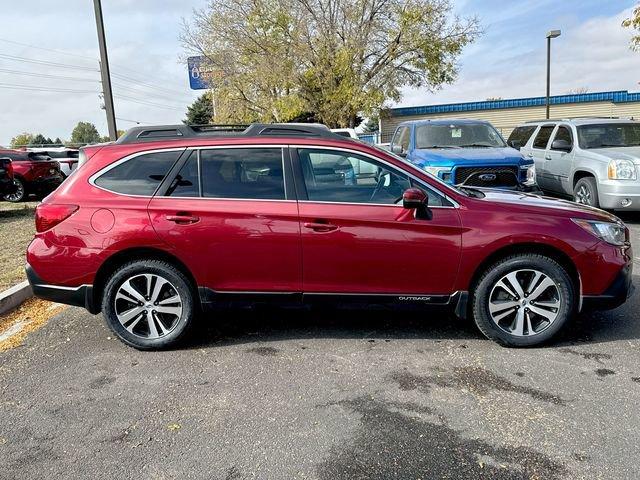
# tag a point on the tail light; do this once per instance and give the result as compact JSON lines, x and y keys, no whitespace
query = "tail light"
{"x":48,"y":215}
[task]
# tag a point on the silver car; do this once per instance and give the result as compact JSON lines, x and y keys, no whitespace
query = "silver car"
{"x":592,"y":160}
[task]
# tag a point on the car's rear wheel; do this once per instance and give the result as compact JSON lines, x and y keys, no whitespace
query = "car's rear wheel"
{"x":586,"y":192}
{"x":19,"y":193}
{"x":149,"y":304}
{"x":523,"y":300}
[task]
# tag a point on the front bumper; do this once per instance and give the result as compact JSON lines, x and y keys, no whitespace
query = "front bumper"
{"x":81,"y":296}
{"x":619,"y":194}
{"x":615,"y":295}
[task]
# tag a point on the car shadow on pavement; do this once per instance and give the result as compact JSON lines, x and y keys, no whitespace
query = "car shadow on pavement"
{"x":265,"y":323}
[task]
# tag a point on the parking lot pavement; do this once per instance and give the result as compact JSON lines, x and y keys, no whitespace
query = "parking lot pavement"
{"x":324,"y":394}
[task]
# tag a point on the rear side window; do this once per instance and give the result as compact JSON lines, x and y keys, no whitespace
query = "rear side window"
{"x":248,"y":173}
{"x":521,"y":135}
{"x":186,"y":183}
{"x":139,"y":175}
{"x":543,"y":136}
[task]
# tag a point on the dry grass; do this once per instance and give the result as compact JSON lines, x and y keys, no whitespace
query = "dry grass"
{"x":16,"y":231}
{"x":31,"y":315}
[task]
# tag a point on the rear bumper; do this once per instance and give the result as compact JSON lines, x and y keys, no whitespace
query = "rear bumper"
{"x":46,"y":184}
{"x":81,"y":296}
{"x":615,"y":295}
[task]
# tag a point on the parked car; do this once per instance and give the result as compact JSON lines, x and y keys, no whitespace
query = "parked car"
{"x":33,"y":173}
{"x":169,"y":220}
{"x":345,"y":132}
{"x":7,"y":186}
{"x":464,"y":152}
{"x":594,"y":161}
{"x":66,"y":157}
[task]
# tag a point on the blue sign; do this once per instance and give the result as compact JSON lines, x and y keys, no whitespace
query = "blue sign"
{"x":197,"y":67}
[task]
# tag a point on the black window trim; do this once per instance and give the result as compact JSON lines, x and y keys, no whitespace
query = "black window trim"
{"x":537,"y":132}
{"x":287,"y":174}
{"x":302,"y":189}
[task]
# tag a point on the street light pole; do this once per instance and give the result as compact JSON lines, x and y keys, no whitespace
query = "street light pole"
{"x":104,"y":73}
{"x":550,"y":35}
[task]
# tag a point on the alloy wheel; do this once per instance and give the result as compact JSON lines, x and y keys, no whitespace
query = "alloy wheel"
{"x":18,"y":194}
{"x":583,"y":195}
{"x":524,"y":302}
{"x":148,"y":306}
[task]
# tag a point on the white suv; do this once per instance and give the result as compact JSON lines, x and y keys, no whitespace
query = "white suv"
{"x":592,"y":160}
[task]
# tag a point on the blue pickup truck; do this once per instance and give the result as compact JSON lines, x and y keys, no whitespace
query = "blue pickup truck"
{"x":464,"y":152}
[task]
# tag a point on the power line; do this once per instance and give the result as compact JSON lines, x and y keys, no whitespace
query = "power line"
{"x":62,"y":52}
{"x":154,"y":92}
{"x":14,"y":86}
{"x":151,"y":104}
{"x":44,"y":62}
{"x":129,"y":120}
{"x":44,"y":75}
{"x":146,"y":84}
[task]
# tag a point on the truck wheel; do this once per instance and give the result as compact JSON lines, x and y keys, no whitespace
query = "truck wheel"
{"x":586,"y":192}
{"x":149,"y":304}
{"x":19,"y":194}
{"x":523,"y":300}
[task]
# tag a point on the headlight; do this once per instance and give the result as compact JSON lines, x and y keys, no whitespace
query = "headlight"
{"x":622,"y":170}
{"x":613,"y":233}
{"x":531,"y":174}
{"x":435,"y":171}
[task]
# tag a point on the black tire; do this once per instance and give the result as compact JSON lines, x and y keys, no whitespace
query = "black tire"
{"x":589,"y":186}
{"x":178,"y":284}
{"x":523,"y":263}
{"x":19,"y":195}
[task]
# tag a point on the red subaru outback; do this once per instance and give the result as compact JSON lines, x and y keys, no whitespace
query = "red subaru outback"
{"x":171,"y":220}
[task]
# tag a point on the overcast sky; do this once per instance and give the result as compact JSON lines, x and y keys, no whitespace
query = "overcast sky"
{"x":147,"y":58}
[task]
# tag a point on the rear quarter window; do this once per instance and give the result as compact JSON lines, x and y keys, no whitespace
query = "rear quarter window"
{"x":140,"y":175}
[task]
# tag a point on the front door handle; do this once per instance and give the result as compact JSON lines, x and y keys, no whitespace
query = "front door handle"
{"x":320,"y":227}
{"x":183,"y":219}
{"x":547,"y":157}
{"x":529,"y":155}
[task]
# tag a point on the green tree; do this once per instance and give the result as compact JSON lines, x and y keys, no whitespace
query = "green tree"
{"x":85,"y":132}
{"x":40,"y":140}
{"x":633,"y":22}
{"x":57,"y":142}
{"x":273,"y":60}
{"x":200,"y":112}
{"x":21,"y":140}
{"x":372,"y":124}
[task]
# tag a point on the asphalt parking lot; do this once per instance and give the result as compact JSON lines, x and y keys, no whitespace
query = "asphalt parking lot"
{"x":324,"y":394}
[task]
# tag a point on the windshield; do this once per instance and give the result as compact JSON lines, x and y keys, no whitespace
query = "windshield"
{"x":606,"y":135}
{"x":458,"y":135}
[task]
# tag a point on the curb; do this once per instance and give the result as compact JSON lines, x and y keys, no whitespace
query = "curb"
{"x":14,"y":296}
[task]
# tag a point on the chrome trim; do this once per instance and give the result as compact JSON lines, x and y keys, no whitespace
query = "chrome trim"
{"x":370,"y":204}
{"x":392,"y":166}
{"x":61,"y":287}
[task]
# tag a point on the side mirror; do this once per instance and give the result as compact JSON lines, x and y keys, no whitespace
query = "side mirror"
{"x":417,"y":199}
{"x":561,"y":145}
{"x":398,"y":150}
{"x":514,"y":144}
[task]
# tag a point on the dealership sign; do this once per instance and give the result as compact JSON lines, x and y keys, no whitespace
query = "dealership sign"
{"x":198,"y":68}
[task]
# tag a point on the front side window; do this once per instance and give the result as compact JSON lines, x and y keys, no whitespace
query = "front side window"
{"x":140,"y":175}
{"x":563,"y":133}
{"x":608,"y":135}
{"x":458,"y":135}
{"x":402,"y":138}
{"x":247,"y":173}
{"x":544,"y":134}
{"x":344,"y":177}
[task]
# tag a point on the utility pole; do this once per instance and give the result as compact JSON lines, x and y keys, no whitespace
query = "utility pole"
{"x":104,"y":73}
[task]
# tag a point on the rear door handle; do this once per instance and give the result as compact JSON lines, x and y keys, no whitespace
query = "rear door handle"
{"x":320,"y":227}
{"x":182,"y":219}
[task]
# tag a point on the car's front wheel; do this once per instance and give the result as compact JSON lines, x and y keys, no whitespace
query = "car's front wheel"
{"x":586,"y":192}
{"x":19,"y":192}
{"x":149,"y":304}
{"x":523,"y":300}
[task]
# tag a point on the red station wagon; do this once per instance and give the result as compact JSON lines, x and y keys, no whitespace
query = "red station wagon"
{"x":170,"y":220}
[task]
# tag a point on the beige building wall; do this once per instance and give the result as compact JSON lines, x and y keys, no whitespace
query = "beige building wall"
{"x":507,"y":119}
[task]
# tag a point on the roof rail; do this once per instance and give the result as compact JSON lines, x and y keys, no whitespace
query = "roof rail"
{"x":547,"y":120}
{"x":178,"y":132}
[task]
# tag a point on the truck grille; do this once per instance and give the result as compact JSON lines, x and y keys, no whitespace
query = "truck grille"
{"x":487,"y":176}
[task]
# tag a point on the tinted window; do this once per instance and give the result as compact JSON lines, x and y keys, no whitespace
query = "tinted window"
{"x":253,"y":173}
{"x":402,"y":138}
{"x":140,"y":175}
{"x":543,"y":137}
{"x":563,"y":133}
{"x":521,"y":135}
{"x":609,"y":135}
{"x":335,"y":176}
{"x":186,"y":182}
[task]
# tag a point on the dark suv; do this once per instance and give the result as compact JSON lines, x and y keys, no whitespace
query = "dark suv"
{"x":171,"y":220}
{"x":7,"y":187}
